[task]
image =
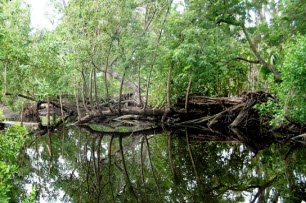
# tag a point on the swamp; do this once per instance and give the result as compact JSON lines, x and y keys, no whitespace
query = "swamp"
{"x":152,"y":101}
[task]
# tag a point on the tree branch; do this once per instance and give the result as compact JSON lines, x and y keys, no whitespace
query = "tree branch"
{"x":22,"y":96}
{"x":269,"y":66}
{"x":239,"y":58}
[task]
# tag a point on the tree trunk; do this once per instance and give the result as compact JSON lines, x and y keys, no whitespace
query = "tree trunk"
{"x":139,"y":87}
{"x":105,"y":74}
{"x":61,"y":104}
{"x":5,"y":79}
{"x":169,"y":86}
{"x":187,"y":95}
{"x":120,"y":91}
{"x":48,"y":114}
{"x":270,"y":67}
{"x":76,"y":94}
{"x":90,"y":88}
{"x":95,"y":87}
{"x":84,"y":92}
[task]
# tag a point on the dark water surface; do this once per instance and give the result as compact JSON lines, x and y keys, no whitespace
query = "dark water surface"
{"x":74,"y":165}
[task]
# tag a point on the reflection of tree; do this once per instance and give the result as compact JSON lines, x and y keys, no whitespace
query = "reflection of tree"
{"x":126,"y":174}
{"x":110,"y":166}
{"x":295,"y":174}
{"x":151,"y":166}
{"x":164,"y":168}
{"x":191,"y":157}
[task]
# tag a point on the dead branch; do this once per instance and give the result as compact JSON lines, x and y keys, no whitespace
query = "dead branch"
{"x":239,"y":58}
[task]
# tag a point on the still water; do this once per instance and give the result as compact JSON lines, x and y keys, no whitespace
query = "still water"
{"x":80,"y":165}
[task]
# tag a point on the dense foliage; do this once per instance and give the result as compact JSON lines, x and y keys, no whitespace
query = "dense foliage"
{"x":156,"y":48}
{"x":292,"y":89}
{"x":11,"y":143}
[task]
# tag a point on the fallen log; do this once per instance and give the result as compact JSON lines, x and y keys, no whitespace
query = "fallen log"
{"x":244,"y":112}
{"x":102,"y":115}
{"x":229,"y":112}
{"x":202,"y":110}
{"x":204,"y":101}
{"x":68,"y":110}
{"x":232,"y":110}
{"x":214,"y":118}
{"x":26,"y":124}
{"x":300,"y":138}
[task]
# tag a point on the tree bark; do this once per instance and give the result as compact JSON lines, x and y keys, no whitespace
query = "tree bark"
{"x":105,"y":73}
{"x":120,"y":90}
{"x":48,"y":114}
{"x":84,"y":92}
{"x":187,"y":95}
{"x":90,"y":88}
{"x":61,"y":104}
{"x":76,"y":94}
{"x":5,"y":78}
{"x":95,"y":87}
{"x":169,"y":86}
{"x":139,"y":87}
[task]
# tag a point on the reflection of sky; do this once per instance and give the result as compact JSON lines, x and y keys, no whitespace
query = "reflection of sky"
{"x":34,"y":178}
{"x":300,"y":177}
{"x":41,"y":175}
{"x":225,"y":157}
{"x":86,"y":150}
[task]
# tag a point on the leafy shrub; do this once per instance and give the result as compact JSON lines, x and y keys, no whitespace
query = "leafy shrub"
{"x":291,"y":91}
{"x":6,"y":182}
{"x":1,"y":115}
{"x":10,"y":144}
{"x":273,"y":110}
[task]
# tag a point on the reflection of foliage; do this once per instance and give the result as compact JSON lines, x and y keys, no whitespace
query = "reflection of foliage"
{"x":89,"y":169}
{"x":10,"y":144}
{"x":31,"y":197}
{"x":287,"y":166}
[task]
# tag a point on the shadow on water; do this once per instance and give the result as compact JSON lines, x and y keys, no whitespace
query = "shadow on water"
{"x":155,"y":165}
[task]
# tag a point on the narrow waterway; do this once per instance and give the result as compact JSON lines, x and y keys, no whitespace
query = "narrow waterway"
{"x":75,"y":165}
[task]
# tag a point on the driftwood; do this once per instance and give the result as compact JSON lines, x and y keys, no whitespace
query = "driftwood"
{"x":202,"y":110}
{"x":223,"y":111}
{"x":234,"y":117}
{"x":26,"y":124}
{"x":210,"y":111}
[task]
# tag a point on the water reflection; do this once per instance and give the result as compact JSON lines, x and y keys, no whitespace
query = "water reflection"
{"x":83,"y":165}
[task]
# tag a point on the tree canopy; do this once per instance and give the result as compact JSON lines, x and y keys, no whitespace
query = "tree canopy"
{"x":107,"y":48}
